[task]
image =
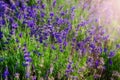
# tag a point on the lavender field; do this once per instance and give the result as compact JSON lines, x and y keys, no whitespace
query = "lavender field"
{"x":58,"y":40}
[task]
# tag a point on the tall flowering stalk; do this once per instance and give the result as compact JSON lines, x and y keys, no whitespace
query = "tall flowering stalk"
{"x":69,"y":68}
{"x":6,"y":74}
{"x":27,"y":62}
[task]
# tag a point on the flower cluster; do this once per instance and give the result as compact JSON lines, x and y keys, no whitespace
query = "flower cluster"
{"x":57,"y":33}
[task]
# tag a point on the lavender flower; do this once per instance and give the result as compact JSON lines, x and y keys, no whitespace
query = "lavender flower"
{"x":43,"y":6}
{"x":53,"y":47}
{"x":97,"y":63}
{"x":54,"y":3}
{"x":62,"y":13}
{"x":42,"y":14}
{"x":17,"y":40}
{"x":3,"y":22}
{"x":31,"y":23}
{"x":69,"y":69}
{"x":51,"y":14}
{"x":105,"y":50}
{"x":20,"y":35}
{"x":90,"y":62}
{"x":1,"y":35}
{"x":36,"y":52}
{"x":118,"y":46}
{"x":28,"y":60}
{"x":6,"y":74}
{"x":34,"y":78}
{"x":111,"y":54}
{"x":72,"y":8}
{"x":96,"y":76}
{"x":110,"y":62}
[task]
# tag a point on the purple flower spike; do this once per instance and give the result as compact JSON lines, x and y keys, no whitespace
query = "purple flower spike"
{"x":54,"y":3}
{"x":6,"y":73}
{"x":110,"y":62}
{"x":111,"y":54}
{"x":17,"y":40}
{"x":43,"y":6}
{"x":27,"y":75}
{"x":105,"y":50}
{"x":14,"y":25}
{"x":65,"y":43}
{"x":118,"y":46}
{"x":20,"y":35}
{"x":51,"y":14}
{"x":42,"y":14}
{"x":53,"y":47}
{"x":1,"y":35}
{"x":62,"y":13}
{"x":97,"y":63}
{"x":72,"y":9}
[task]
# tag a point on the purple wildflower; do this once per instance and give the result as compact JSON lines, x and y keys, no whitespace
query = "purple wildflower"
{"x":17,"y":40}
{"x":6,"y":73}
{"x":54,"y":3}
{"x":51,"y":14}
{"x":20,"y":35}
{"x":3,"y":22}
{"x":65,"y":43}
{"x":62,"y":13}
{"x":118,"y":46}
{"x":43,"y":6}
{"x":1,"y":35}
{"x":31,"y":23}
{"x":97,"y":63}
{"x":14,"y":25}
{"x":69,"y":69}
{"x":34,"y":78}
{"x":73,"y":8}
{"x":111,"y":54}
{"x":53,"y":47}
{"x":110,"y":62}
{"x":42,"y":14}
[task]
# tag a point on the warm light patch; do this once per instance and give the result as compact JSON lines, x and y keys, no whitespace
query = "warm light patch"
{"x":109,"y":12}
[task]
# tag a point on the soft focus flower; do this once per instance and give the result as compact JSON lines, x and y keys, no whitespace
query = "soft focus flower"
{"x":17,"y":40}
{"x":51,"y":14}
{"x":110,"y":62}
{"x":31,"y":23}
{"x":118,"y":46}
{"x":14,"y":25}
{"x":69,"y":69}
{"x":54,"y":3}
{"x":43,"y":6}
{"x":96,"y":76}
{"x":20,"y":35}
{"x":53,"y":47}
{"x":1,"y":35}
{"x":111,"y":54}
{"x":6,"y":73}
{"x":105,"y":50}
{"x":62,"y":13}
{"x":72,"y":8}
{"x":42,"y":14}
